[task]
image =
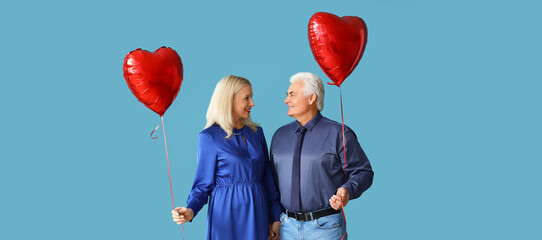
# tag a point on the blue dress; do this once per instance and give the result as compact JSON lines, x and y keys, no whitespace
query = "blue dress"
{"x":237,"y":180}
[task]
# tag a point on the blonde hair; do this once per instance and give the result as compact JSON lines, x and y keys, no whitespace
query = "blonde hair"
{"x":220,"y":107}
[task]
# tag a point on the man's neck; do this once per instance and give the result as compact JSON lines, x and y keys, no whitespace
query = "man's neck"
{"x":305,"y":118}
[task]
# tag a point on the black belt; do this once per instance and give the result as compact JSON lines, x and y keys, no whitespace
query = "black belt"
{"x":308,"y":216}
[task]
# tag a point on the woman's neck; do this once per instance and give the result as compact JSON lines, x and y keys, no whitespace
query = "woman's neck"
{"x":238,"y":124}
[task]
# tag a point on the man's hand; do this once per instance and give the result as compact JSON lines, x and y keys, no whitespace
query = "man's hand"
{"x":341,"y":196}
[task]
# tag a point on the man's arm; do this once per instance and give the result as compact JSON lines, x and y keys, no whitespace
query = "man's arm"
{"x":358,"y":168}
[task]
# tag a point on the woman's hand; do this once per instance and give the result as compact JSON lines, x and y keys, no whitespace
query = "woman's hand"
{"x":181,"y":215}
{"x":274,"y":231}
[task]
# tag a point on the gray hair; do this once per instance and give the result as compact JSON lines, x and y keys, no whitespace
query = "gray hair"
{"x":313,"y":85}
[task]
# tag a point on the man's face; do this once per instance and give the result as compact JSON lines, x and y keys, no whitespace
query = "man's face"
{"x":297,"y":103}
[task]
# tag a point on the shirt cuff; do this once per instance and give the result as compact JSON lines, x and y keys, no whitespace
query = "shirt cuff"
{"x":274,"y":212}
{"x":350,"y":190}
{"x":195,"y":208}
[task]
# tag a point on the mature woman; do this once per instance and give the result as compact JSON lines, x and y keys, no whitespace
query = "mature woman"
{"x":233,"y":170}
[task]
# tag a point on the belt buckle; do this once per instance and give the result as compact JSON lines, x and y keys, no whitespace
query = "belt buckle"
{"x":309,"y":216}
{"x":300,"y":216}
{"x":303,"y":216}
{"x":293,"y":213}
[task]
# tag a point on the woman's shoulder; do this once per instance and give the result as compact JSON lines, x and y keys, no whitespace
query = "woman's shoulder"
{"x":258,"y":130}
{"x":259,"y":133}
{"x":213,"y":131}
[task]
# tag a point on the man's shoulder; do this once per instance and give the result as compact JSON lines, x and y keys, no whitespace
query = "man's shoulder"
{"x":326,"y":123}
{"x":286,"y":127}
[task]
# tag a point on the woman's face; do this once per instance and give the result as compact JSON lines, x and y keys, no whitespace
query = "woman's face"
{"x":242,"y":103}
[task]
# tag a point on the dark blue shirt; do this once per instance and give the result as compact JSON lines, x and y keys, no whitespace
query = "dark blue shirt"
{"x":322,"y":163}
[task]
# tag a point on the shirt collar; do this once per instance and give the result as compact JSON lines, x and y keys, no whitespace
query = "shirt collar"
{"x":310,"y":125}
{"x":237,"y":131}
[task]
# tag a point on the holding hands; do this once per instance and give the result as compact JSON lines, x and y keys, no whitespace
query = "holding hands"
{"x":181,"y":215}
{"x":274,"y":231}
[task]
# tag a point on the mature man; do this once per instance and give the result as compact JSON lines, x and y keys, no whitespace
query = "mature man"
{"x":308,"y":159}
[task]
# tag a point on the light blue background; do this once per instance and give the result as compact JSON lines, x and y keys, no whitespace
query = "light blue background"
{"x":445,"y":102}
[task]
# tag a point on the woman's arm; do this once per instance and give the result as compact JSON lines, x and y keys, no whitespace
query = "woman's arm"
{"x":273,"y":196}
{"x":204,"y":181}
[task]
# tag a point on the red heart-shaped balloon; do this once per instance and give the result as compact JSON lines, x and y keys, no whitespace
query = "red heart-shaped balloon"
{"x":337,"y":43}
{"x":154,"y":78}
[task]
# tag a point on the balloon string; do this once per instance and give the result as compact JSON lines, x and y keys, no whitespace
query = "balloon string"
{"x":168,"y":168}
{"x":155,"y":130}
{"x":344,"y":144}
{"x":344,"y":157}
{"x":344,"y":217}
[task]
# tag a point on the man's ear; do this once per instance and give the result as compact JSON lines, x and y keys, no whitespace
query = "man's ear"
{"x":312,"y":99}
